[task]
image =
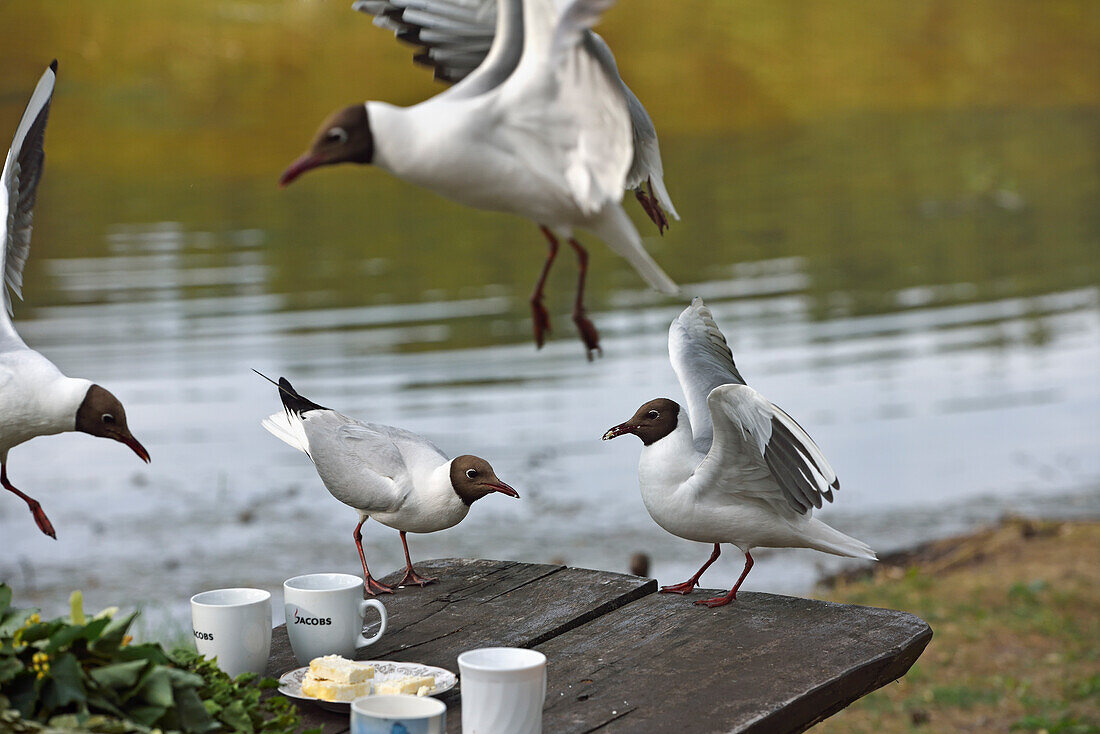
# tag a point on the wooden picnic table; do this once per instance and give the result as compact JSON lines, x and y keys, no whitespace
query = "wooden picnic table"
{"x":622,"y":658}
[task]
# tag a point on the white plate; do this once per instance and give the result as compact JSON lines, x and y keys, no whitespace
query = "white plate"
{"x":290,"y":683}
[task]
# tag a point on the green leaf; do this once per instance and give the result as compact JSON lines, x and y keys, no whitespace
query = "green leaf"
{"x":111,"y":637}
{"x":10,"y":667}
{"x":192,"y":713}
{"x":5,"y":598}
{"x":66,"y":682}
{"x":157,"y":689}
{"x":119,"y":675}
{"x":147,"y":651}
{"x":65,"y":636}
{"x":95,"y":628}
{"x":12,"y":620}
{"x":235,"y":716}
{"x":40,"y":631}
{"x":146,"y":715}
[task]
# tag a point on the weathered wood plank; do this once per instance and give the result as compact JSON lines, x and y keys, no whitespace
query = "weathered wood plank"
{"x":478,"y":603}
{"x":764,"y":663}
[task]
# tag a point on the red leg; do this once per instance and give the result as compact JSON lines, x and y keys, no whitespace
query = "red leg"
{"x":687,"y":586}
{"x":652,"y":206}
{"x":539,"y":315}
{"x":373,"y":587}
{"x":411,"y":576}
{"x":40,"y":518}
{"x":721,"y":601}
{"x":589,"y":335}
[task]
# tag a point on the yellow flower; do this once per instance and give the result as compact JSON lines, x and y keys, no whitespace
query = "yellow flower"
{"x":40,"y":663}
{"x":33,"y":619}
{"x":126,"y":640}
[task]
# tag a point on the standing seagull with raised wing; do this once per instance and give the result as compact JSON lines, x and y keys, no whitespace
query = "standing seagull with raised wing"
{"x":35,"y":398}
{"x":734,"y":468}
{"x":540,"y":124}
{"x":395,"y":476}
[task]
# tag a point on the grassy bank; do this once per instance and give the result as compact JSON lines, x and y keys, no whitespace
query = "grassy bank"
{"x":1017,"y":634}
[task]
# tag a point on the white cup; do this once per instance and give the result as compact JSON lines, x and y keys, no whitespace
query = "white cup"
{"x":406,"y":714}
{"x":324,"y":615}
{"x":233,"y":625}
{"x":502,"y":690}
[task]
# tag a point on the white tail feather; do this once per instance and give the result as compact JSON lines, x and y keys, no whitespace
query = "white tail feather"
{"x":614,"y":227}
{"x":288,"y":430}
{"x":820,"y":536}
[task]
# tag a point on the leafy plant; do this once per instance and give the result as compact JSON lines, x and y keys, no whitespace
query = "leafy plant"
{"x":80,"y":673}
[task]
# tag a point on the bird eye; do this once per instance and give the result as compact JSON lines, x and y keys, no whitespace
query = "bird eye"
{"x":653,"y":414}
{"x":471,"y":473}
{"x":336,"y":135}
{"x":108,"y":418}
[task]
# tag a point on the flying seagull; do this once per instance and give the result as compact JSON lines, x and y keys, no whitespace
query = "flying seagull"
{"x":539,"y":123}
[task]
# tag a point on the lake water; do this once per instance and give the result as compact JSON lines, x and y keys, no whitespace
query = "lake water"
{"x":919,"y":288}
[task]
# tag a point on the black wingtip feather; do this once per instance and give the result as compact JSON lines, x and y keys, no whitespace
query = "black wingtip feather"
{"x":294,"y":402}
{"x":53,"y":66}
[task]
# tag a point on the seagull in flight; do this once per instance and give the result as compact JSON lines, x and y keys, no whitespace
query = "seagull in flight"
{"x":538,"y":123}
{"x":733,"y":468}
{"x":397,"y":477}
{"x":35,"y":398}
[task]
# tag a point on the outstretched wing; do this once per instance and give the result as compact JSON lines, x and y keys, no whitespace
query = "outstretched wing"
{"x":475,"y":42}
{"x":646,"y":168}
{"x":702,"y":360}
{"x":760,"y":451}
{"x":22,"y":171}
{"x":564,"y":111}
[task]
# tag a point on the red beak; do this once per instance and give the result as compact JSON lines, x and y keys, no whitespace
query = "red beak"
{"x":306,"y":163}
{"x":503,"y":489}
{"x":618,"y":430}
{"x":136,"y":447}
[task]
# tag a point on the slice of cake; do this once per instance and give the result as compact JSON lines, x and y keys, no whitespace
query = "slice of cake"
{"x":340,"y":670}
{"x":328,"y":690}
{"x":409,"y":684}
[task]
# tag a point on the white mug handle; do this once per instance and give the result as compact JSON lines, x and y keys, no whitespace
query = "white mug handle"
{"x":362,"y":641}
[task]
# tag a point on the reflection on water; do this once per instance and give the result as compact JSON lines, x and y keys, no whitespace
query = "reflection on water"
{"x":936,"y":416}
{"x":919,"y":288}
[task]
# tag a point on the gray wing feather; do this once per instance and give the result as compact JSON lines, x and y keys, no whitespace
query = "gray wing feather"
{"x":646,"y":166}
{"x":365,"y":465}
{"x":454,"y":36}
{"x":753,"y":434}
{"x":22,"y":172}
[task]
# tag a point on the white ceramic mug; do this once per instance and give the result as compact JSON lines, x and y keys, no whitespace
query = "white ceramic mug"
{"x":406,"y":714}
{"x":502,"y":690}
{"x":324,"y":615}
{"x":233,"y":625}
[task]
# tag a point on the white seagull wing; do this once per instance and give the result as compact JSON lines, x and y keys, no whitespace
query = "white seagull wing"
{"x":646,"y":166}
{"x":563,"y":111}
{"x":702,"y":360}
{"x":760,"y":451}
{"x":22,"y":171}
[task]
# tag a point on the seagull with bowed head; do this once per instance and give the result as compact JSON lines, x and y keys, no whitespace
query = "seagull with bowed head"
{"x":36,"y":399}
